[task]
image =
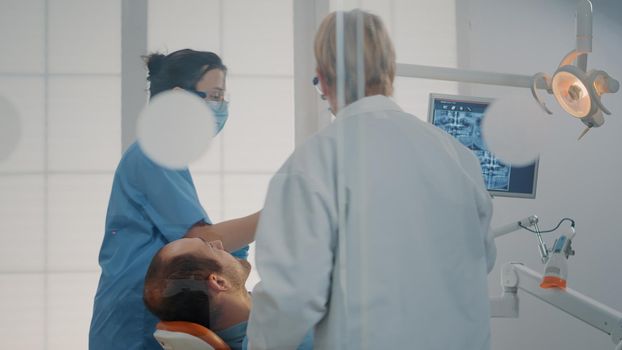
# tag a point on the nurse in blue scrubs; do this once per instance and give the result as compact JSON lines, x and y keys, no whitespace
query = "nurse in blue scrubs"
{"x":151,"y":206}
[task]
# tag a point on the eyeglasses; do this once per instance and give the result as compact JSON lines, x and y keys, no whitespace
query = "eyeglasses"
{"x":316,"y":84}
{"x":219,"y":96}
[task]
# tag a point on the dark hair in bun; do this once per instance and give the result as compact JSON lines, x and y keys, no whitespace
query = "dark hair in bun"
{"x":183,"y":68}
{"x":154,"y":63}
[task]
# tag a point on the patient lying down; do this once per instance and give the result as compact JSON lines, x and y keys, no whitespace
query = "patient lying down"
{"x":197,"y":281}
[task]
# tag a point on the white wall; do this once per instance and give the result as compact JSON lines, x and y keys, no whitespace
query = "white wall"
{"x":577,"y":179}
{"x":60,"y":67}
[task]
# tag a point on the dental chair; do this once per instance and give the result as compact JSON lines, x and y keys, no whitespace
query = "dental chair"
{"x":180,"y":335}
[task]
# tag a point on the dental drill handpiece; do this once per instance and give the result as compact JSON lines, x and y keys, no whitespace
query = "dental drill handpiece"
{"x":544,"y":253}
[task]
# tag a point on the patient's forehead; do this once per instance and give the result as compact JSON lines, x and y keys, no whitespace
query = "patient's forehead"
{"x":180,"y":247}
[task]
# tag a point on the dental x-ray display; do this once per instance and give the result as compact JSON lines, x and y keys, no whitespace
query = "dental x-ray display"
{"x":461,"y":117}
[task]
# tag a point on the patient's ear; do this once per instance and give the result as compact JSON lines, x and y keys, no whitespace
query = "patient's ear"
{"x":218,"y":283}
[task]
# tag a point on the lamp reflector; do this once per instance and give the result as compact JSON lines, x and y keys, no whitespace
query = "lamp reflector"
{"x":571,"y":93}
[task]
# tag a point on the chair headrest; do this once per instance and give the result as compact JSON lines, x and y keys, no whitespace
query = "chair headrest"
{"x":196,"y":330}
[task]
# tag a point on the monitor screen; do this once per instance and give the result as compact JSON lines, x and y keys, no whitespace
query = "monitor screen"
{"x":461,"y":117}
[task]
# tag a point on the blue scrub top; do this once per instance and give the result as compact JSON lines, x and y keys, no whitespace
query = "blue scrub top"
{"x":149,"y":207}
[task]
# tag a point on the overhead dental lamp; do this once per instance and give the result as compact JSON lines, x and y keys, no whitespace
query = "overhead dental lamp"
{"x":577,"y":90}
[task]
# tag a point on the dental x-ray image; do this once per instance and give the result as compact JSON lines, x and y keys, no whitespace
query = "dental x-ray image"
{"x":461,"y":117}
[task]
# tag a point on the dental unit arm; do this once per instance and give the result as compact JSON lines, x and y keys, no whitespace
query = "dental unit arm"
{"x":551,"y":288}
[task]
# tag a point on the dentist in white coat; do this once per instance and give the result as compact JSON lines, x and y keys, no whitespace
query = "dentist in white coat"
{"x":375,"y":231}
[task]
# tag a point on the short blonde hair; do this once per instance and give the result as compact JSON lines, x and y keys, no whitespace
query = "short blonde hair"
{"x":377,"y":51}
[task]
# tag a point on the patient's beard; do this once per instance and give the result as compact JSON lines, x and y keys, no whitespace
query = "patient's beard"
{"x":246,"y":266}
{"x":238,"y":274}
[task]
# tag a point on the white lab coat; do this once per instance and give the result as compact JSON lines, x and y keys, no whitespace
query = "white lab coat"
{"x":375,"y":232}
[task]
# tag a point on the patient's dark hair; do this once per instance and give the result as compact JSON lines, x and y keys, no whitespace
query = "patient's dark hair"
{"x":176,"y":288}
{"x":183,"y":68}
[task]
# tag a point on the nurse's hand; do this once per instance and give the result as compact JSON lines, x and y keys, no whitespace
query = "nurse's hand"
{"x":234,"y":234}
{"x":204,"y":231}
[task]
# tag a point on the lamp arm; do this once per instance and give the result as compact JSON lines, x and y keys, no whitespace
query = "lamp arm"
{"x":571,"y":56}
{"x":515,"y":226}
{"x":584,"y":46}
{"x":516,"y":276}
{"x":465,"y":75}
{"x":584,"y":26}
{"x":584,"y":32}
{"x":603,"y":83}
{"x":534,"y":81}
